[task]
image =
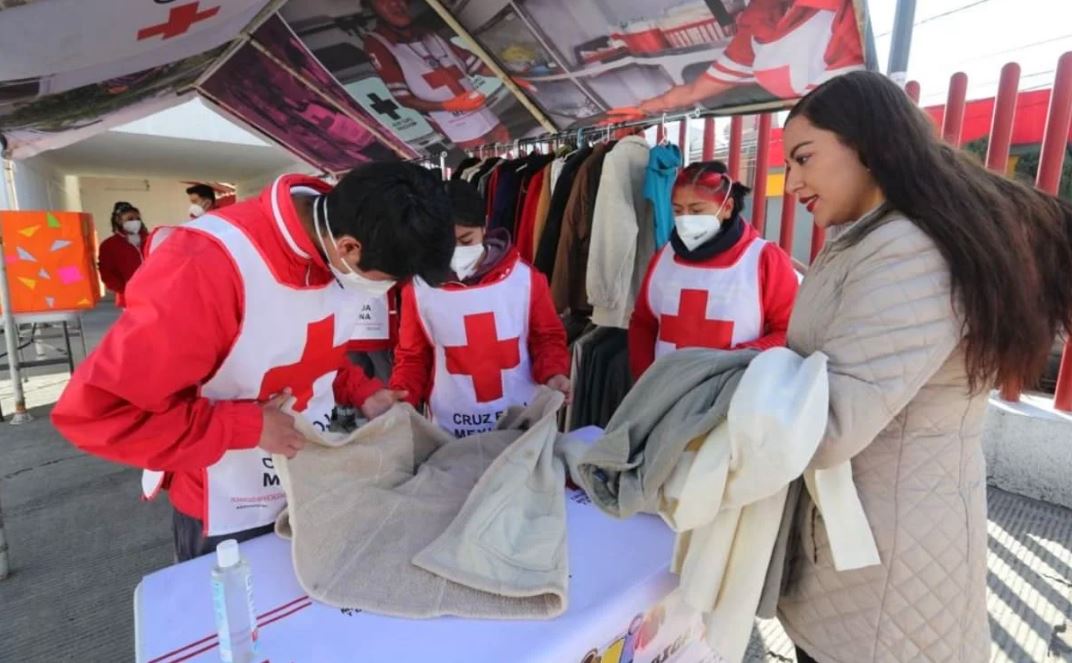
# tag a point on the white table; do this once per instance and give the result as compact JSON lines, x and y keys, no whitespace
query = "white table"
{"x":618,"y":571}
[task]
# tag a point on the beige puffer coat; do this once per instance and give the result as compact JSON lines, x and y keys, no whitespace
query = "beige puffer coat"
{"x":878,"y":303}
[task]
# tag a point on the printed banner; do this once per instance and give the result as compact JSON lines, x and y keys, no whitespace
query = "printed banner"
{"x":586,"y":62}
{"x":31,"y":126}
{"x":278,"y":103}
{"x":423,"y":67}
{"x":51,"y":263}
{"x":289,"y":51}
{"x":51,"y":46}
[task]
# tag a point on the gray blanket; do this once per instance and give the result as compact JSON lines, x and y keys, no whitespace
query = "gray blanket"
{"x":680,"y":398}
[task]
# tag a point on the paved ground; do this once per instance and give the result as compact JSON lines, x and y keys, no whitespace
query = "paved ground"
{"x":80,"y":541}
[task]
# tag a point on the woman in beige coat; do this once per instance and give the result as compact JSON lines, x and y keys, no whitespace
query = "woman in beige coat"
{"x":938,"y":281}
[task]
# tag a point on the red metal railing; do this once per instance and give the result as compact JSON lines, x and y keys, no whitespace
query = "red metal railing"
{"x":1051,"y":163}
{"x":759,"y":182}
{"x":708,"y":139}
{"x":953,"y":124}
{"x":736,"y":138}
{"x":950,"y":124}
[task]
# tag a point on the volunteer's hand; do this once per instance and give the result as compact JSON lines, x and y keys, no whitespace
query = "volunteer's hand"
{"x":278,"y":435}
{"x":382,"y":401}
{"x":562,"y":383}
{"x":465,"y":102}
{"x":653,"y":106}
{"x":624,"y":114}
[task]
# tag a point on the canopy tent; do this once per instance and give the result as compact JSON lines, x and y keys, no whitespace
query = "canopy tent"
{"x":341,"y":82}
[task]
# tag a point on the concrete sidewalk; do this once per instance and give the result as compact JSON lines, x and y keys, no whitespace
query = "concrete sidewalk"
{"x":81,"y":541}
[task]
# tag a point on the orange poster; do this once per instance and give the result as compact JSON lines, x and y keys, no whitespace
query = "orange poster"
{"x":51,"y":260}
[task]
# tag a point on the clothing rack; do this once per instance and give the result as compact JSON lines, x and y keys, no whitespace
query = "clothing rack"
{"x":579,"y":133}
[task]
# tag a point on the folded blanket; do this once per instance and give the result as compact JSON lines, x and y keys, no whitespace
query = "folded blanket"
{"x":401,"y":518}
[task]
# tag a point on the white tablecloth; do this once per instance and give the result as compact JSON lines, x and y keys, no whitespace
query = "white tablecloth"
{"x":621,"y":609}
{"x":618,"y":571}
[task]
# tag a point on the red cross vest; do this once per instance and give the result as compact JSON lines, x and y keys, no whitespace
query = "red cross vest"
{"x":706,"y":307}
{"x":480,"y":335}
{"x":289,"y":337}
{"x":373,"y":328}
{"x":433,"y":72}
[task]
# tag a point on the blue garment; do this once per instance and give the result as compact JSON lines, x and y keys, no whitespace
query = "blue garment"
{"x":663,"y":164}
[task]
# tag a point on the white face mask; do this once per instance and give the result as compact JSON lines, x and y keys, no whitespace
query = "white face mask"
{"x":350,"y":279}
{"x":132,"y":227}
{"x":695,"y":229}
{"x":196,"y":210}
{"x":466,"y":259}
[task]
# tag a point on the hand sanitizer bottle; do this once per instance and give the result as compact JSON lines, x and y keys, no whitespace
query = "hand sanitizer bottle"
{"x":232,"y":598}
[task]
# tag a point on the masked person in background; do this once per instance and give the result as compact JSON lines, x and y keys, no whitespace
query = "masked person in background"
{"x":202,"y":199}
{"x":484,"y":341}
{"x":241,"y":312}
{"x":717,"y":284}
{"x":121,"y":254}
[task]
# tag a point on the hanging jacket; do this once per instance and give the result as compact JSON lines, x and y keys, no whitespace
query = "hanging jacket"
{"x":547,"y":251}
{"x":623,"y":239}
{"x":678,"y":282}
{"x":526,"y":226}
{"x":571,"y":259}
{"x":663,"y":164}
{"x":543,"y":206}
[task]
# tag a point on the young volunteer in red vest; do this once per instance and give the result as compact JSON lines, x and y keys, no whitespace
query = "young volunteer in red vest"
{"x":120,"y":254}
{"x":237,"y":313}
{"x":484,"y":341}
{"x":717,"y":284}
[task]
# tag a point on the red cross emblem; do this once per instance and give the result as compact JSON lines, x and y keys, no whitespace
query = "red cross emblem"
{"x":690,"y":328}
{"x":484,"y":357}
{"x":450,"y":77}
{"x":180,"y":20}
{"x":319,"y":357}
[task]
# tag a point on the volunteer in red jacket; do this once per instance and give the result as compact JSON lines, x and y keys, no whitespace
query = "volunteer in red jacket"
{"x":717,"y":284}
{"x":484,"y":341}
{"x":234,"y":314}
{"x":120,"y":254}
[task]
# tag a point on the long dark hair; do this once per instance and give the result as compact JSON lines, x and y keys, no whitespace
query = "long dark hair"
{"x":1009,"y":246}
{"x":119,"y":209}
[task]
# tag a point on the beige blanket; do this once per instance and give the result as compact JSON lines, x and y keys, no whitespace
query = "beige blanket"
{"x":401,"y":518}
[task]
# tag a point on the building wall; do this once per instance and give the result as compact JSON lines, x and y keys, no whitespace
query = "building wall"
{"x":39,"y":185}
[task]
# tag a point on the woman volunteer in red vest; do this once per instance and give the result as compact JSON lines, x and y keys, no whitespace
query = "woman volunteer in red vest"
{"x":232,"y":315}
{"x":717,"y":284}
{"x":120,"y":254}
{"x":484,"y":341}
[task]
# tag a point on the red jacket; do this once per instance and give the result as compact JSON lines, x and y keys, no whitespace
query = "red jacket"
{"x":777,"y":283}
{"x":415,"y":357}
{"x":118,"y":260}
{"x":526,"y":225}
{"x":136,"y":400}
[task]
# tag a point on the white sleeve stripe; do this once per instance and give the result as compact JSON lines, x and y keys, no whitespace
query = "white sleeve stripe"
{"x":725,"y":62}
